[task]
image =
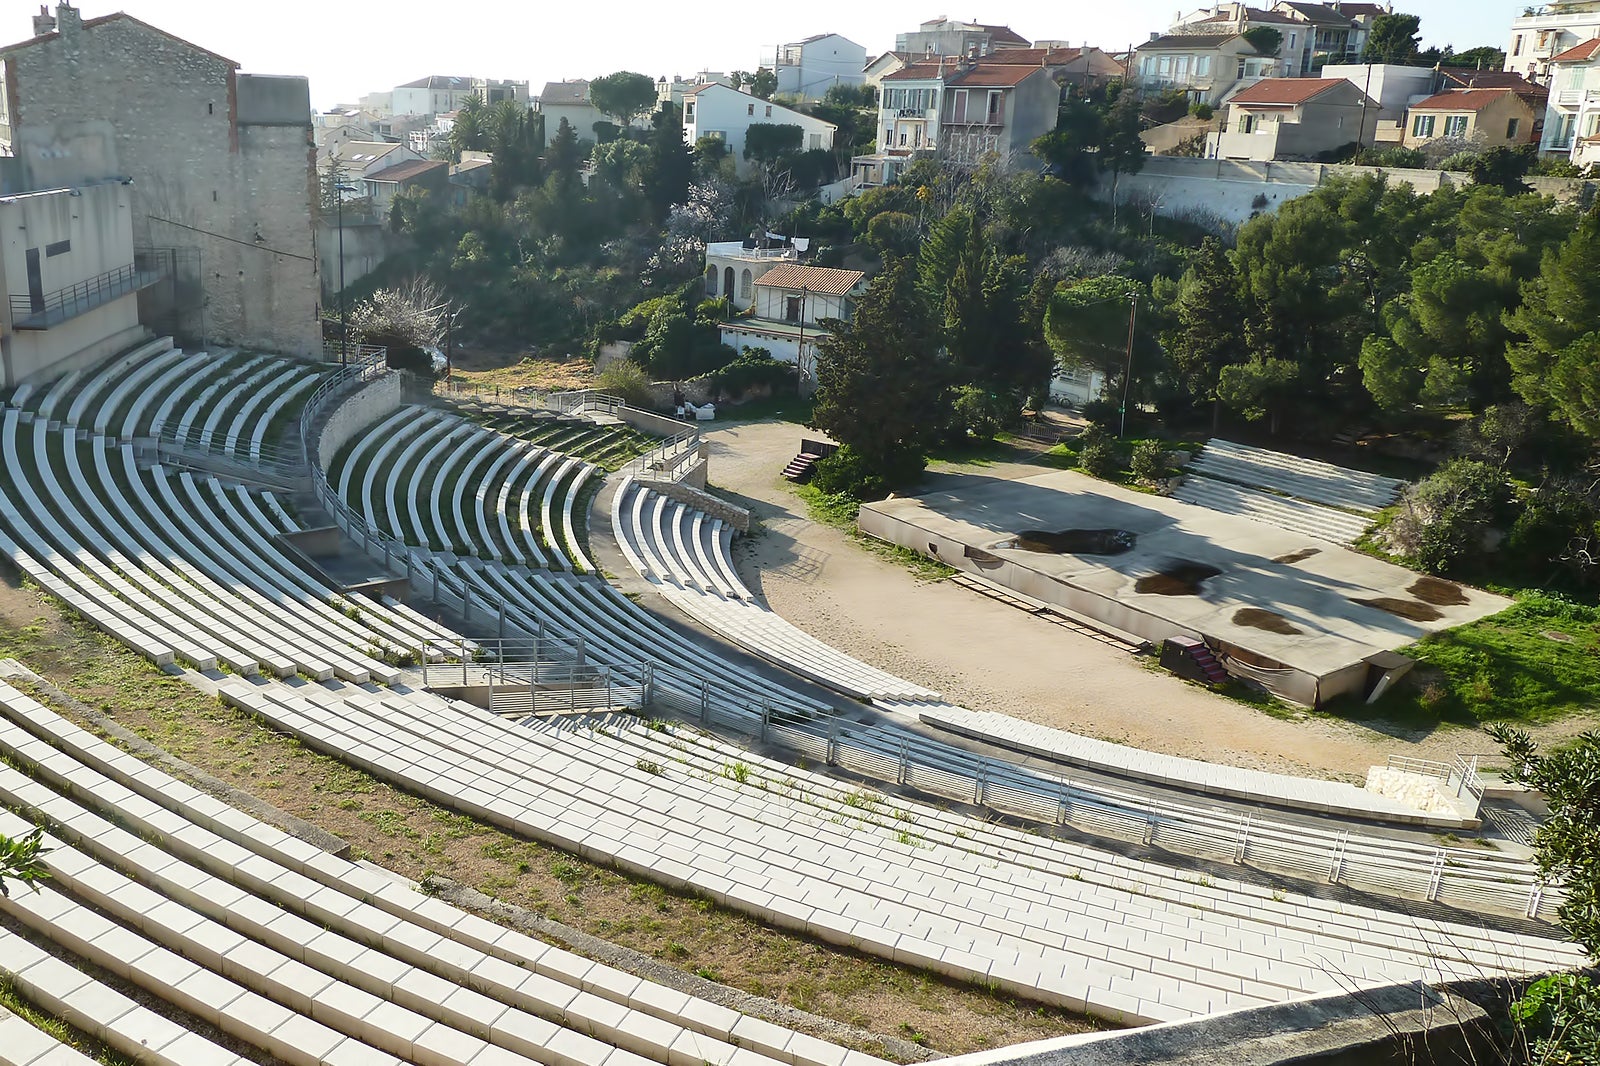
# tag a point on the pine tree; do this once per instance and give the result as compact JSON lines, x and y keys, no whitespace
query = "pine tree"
{"x":875,"y":392}
{"x":672,"y":163}
{"x":1207,"y":333}
{"x":942,"y":252}
{"x":561,"y":161}
{"x":1555,"y":362}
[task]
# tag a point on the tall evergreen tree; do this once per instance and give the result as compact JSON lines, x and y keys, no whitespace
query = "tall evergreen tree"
{"x":942,"y":252}
{"x":1555,"y":361}
{"x":1207,"y":332}
{"x":672,"y":162}
{"x":561,"y":161}
{"x":874,"y":389}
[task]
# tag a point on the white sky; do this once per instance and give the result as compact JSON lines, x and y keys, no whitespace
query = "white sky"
{"x":348,"y":48}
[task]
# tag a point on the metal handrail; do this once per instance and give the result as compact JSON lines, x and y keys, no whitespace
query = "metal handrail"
{"x":48,"y":309}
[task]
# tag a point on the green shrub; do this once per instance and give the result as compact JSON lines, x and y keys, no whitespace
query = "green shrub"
{"x":1443,"y":518}
{"x":848,"y":472}
{"x":627,"y":380}
{"x":1149,"y":462}
{"x":1201,"y":111}
{"x":1098,"y":455}
{"x":714,"y":310}
{"x":980,"y":413}
{"x":754,"y":368}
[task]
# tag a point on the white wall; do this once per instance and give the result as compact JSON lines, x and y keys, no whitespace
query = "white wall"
{"x":720,"y":109}
{"x":96,"y":221}
{"x":771,"y":303}
{"x":824,"y":63}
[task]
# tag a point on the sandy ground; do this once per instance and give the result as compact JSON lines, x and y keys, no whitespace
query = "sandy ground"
{"x":989,"y":656}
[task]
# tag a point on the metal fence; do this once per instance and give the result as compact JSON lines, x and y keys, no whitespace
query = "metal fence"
{"x":1471,"y":880}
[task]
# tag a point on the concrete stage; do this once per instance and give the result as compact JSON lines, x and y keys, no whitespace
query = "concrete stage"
{"x":1283,"y":609}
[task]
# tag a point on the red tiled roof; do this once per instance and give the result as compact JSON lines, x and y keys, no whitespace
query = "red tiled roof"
{"x":1034,"y":56}
{"x":1579,"y":53}
{"x":1462,"y":100}
{"x":406,"y":171}
{"x":1286,"y":92}
{"x":824,"y":281}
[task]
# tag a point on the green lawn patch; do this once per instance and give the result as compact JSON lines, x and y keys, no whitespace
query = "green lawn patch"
{"x":839,"y":510}
{"x":1536,"y":661}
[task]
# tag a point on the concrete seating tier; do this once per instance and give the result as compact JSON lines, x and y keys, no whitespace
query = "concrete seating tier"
{"x":177,"y":574}
{"x":21,"y":1044}
{"x":1281,"y":790}
{"x":340,"y":953}
{"x":443,"y":483}
{"x":685,"y":554}
{"x":1034,"y":915}
{"x":1295,"y":516}
{"x":1293,"y":475}
{"x":607,"y":446}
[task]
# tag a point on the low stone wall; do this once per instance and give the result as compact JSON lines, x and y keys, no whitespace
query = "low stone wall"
{"x":685,"y":493}
{"x":650,"y":422}
{"x":354,"y":413}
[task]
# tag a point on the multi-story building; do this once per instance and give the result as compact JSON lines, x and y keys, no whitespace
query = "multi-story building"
{"x":1572,"y":110}
{"x":724,"y":112}
{"x":1336,"y":32}
{"x":439,"y":94}
{"x":1205,"y":66}
{"x":672,"y":91}
{"x":1548,"y":30}
{"x":1292,"y":119}
{"x":1229,"y":19}
{"x":221,"y":166}
{"x":952,"y":37}
{"x":790,"y":306}
{"x":960,"y":111}
{"x":807,"y":69}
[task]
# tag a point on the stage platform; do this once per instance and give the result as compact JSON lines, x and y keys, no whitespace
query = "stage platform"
{"x":1303,"y":617}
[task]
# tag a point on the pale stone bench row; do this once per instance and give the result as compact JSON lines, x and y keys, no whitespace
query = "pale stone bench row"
{"x":1280,"y":790}
{"x":538,"y":791}
{"x":619,"y":633}
{"x":21,"y":1044}
{"x":674,"y":546}
{"x":62,"y":990}
{"x":109,"y":373}
{"x":133,"y":384}
{"x":1294,"y":516}
{"x":222,"y":864}
{"x":706,"y":765}
{"x":630,"y":739}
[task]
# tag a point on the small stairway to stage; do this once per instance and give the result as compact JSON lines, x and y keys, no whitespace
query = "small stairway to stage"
{"x":1190,"y":658}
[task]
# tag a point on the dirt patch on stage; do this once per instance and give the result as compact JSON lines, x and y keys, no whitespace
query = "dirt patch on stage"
{"x":1076,"y":541}
{"x":1299,"y":556}
{"x":1414,"y":610}
{"x":1256,"y":618}
{"x":1437,"y":591}
{"x":1178,"y":578}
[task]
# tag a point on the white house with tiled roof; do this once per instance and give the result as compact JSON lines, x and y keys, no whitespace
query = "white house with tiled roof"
{"x":568,"y":100}
{"x":725,"y":112}
{"x":1572,"y":111}
{"x":1293,"y":119}
{"x":1543,"y":32}
{"x":792,"y":301}
{"x":1205,"y":66}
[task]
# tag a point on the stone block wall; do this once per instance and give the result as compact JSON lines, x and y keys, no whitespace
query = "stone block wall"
{"x":239,"y":195}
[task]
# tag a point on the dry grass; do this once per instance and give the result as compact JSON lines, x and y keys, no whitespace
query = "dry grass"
{"x":416,"y":838}
{"x":488,"y":372}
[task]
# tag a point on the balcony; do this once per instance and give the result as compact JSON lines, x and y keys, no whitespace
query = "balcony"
{"x":53,"y":308}
{"x":995,"y":119}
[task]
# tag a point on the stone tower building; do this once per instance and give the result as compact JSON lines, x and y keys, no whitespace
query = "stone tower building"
{"x":222,"y":164}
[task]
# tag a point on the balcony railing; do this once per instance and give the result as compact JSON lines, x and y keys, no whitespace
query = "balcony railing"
{"x":49,"y":309}
{"x":993,"y":119}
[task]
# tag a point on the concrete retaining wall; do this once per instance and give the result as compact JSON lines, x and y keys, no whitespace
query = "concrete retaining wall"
{"x":1238,"y":189}
{"x":378,"y":400}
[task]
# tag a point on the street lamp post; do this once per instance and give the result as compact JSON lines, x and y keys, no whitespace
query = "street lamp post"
{"x":800,"y":352}
{"x":339,"y":189}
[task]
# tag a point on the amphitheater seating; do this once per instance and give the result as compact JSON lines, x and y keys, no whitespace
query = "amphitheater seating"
{"x":21,"y":1044}
{"x":1295,"y":516}
{"x":607,"y":446}
{"x":296,"y":952}
{"x":685,"y":554}
{"x":1293,"y":475}
{"x":1304,"y":496}
{"x":1033,"y":915}
{"x":440,"y":482}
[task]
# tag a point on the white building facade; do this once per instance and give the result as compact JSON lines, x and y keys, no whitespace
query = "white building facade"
{"x":791,"y":304}
{"x":1572,"y":112}
{"x":807,"y":69}
{"x":727,"y":113}
{"x":1547,"y":31}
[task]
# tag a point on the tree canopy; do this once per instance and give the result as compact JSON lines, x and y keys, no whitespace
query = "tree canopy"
{"x":623,"y":95}
{"x":1394,"y":38}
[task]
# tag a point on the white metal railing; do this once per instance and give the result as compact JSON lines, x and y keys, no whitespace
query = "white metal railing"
{"x":1472,"y":880}
{"x":1422,"y":767}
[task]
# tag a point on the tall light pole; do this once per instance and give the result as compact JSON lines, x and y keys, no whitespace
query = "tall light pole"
{"x":1127,"y":375}
{"x":339,"y":189}
{"x":800,"y":353}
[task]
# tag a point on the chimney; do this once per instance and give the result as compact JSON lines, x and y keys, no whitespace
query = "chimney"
{"x":68,"y":18}
{"x":43,"y":23}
